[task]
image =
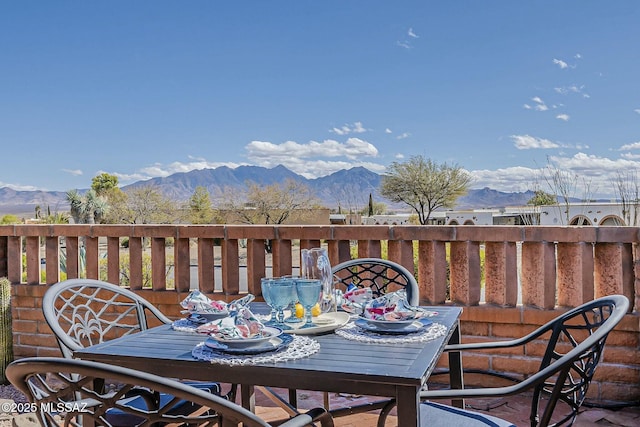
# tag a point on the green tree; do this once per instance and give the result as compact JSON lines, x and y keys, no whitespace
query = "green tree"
{"x":542,"y":198}
{"x":424,"y":185}
{"x":10,"y":219}
{"x":200,"y":207}
{"x":104,"y":182}
{"x":88,"y":208}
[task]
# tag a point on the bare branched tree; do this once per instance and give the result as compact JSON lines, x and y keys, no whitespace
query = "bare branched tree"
{"x":628,"y":191}
{"x":564,"y":184}
{"x":267,"y":204}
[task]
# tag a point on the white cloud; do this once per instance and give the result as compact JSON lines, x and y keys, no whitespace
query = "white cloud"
{"x":637,"y":110}
{"x":517,"y":178}
{"x":19,"y":187}
{"x":74,"y":172}
{"x":387,"y":130}
{"x":399,"y":156}
{"x":159,"y":170}
{"x":403,"y":135}
{"x":564,"y":117}
{"x":566,"y":90}
{"x":411,"y":33}
{"x":587,"y":165}
{"x":310,"y":159}
{"x":632,"y":146}
{"x":527,"y":142}
{"x":577,"y":56}
{"x":560,"y":63}
{"x":539,"y":104}
{"x":353,"y":148}
{"x":347,"y":129}
{"x":404,"y":44}
{"x":595,"y":175}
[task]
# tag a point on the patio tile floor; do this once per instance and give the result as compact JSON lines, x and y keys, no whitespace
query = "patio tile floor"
{"x":514,"y":409}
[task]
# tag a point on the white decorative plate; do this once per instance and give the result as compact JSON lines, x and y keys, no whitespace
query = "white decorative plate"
{"x":324,"y":323}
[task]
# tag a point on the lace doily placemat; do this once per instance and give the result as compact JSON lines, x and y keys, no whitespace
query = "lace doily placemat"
{"x":352,"y":332}
{"x":300,"y":347}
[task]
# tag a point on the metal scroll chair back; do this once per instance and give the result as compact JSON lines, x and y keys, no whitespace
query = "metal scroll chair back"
{"x":84,"y":312}
{"x":63,"y":392}
{"x":381,"y":275}
{"x":574,"y":341}
{"x":576,"y":344}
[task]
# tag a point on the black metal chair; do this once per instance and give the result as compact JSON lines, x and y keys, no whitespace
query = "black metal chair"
{"x":575,"y":343}
{"x":381,"y":275}
{"x":84,"y":312}
{"x":63,"y":392}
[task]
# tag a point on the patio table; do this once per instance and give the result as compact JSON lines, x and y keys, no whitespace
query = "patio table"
{"x":341,"y":365}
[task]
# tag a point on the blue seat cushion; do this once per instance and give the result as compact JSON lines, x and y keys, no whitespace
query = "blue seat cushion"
{"x":119,"y":418}
{"x":436,"y":415}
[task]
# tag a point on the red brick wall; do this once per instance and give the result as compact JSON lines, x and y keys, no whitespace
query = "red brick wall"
{"x":617,"y":377}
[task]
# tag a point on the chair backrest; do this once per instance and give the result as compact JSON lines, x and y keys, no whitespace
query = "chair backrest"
{"x":83,"y":312}
{"x":576,"y":342}
{"x":382,"y":276}
{"x":59,"y":385}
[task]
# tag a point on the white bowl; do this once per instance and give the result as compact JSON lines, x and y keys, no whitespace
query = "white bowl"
{"x":267,"y":333}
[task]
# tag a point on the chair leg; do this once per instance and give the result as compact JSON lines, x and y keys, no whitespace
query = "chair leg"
{"x":293,"y":397}
{"x":290,"y":409}
{"x":231,"y":394}
{"x":382,"y":418}
{"x":327,"y":400}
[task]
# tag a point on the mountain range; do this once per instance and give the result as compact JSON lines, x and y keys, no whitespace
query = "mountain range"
{"x":348,"y":189}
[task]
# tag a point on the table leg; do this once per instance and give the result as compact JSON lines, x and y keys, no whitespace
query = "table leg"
{"x":408,"y":401}
{"x":248,"y":397}
{"x":455,"y":367}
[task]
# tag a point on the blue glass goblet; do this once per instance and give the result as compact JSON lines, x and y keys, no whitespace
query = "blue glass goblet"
{"x":265,"y":286}
{"x":309,"y":294}
{"x":281,"y":293}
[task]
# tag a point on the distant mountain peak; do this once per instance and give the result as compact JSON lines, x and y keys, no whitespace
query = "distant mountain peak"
{"x":347,"y":188}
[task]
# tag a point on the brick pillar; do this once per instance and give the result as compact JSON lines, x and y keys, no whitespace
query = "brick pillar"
{"x":608,"y":269}
{"x":182,"y":260}
{"x":575,"y":273}
{"x":230,"y":267}
{"x":369,"y":249}
{"x":432,"y":271}
{"x":256,"y":265}
{"x":401,"y":251}
{"x":282,"y":262}
{"x":158,"y":264}
{"x":465,"y":272}
{"x":539,"y":274}
{"x":206,"y":265}
{"x":501,"y":273}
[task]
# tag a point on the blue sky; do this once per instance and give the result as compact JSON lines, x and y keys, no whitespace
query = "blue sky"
{"x":142,"y":89}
